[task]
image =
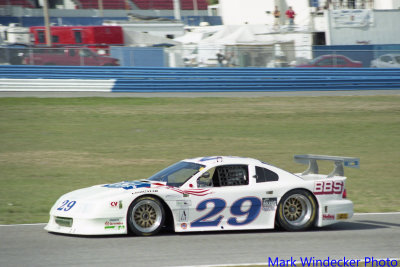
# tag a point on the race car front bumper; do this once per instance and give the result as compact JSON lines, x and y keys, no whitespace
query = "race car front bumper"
{"x":87,"y":226}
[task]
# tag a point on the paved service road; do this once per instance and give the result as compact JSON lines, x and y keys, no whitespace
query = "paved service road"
{"x":365,"y":235}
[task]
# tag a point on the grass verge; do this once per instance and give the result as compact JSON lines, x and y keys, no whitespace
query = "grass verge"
{"x":54,"y":145}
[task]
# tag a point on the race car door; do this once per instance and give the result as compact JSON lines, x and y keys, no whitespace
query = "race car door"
{"x":231,"y":205}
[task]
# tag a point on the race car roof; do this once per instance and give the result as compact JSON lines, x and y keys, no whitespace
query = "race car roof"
{"x":213,"y":160}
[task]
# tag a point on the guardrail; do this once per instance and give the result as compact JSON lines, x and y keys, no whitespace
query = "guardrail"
{"x":133,"y":79}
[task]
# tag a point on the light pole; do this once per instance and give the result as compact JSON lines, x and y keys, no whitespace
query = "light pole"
{"x":101,"y":14}
{"x":177,"y":9}
{"x":47,"y":22}
{"x":195,"y":8}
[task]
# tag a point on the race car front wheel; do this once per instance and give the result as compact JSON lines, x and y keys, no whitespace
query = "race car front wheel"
{"x":146,"y":216}
{"x":297,"y":210}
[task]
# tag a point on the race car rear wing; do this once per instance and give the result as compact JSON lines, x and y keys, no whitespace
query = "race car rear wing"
{"x":339,"y":162}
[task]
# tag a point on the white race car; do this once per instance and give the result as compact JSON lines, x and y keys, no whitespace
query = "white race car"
{"x":210,"y":194}
{"x":386,"y":61}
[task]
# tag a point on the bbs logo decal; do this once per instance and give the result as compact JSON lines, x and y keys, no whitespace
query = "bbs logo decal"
{"x":328,"y":187}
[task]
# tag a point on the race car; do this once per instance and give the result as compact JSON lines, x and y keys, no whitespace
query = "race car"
{"x":210,"y":194}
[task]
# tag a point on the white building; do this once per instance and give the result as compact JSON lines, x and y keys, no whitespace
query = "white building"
{"x":166,"y":29}
{"x":14,"y":34}
{"x":358,"y":27}
{"x":387,"y":4}
{"x":237,"y":12}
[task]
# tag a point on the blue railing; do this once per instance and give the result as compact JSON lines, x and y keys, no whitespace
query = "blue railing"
{"x":130,"y":79}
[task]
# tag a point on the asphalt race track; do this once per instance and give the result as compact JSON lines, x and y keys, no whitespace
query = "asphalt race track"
{"x":365,"y":235}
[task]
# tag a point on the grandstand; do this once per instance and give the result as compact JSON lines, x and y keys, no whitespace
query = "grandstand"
{"x":107,"y":4}
{"x":168,"y":4}
{"x":22,"y":3}
{"x":119,"y":4}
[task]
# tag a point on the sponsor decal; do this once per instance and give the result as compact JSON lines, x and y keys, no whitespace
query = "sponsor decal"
{"x":184,"y":203}
{"x":342,"y":216}
{"x":328,"y":187}
{"x":183,"y":215}
{"x":351,"y":163}
{"x":269,"y":204}
{"x":113,"y":222}
{"x":116,"y":204}
{"x":328,"y":217}
{"x":184,"y":226}
{"x":119,"y":227}
{"x":146,"y":191}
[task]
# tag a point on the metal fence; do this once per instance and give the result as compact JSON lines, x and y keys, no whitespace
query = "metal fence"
{"x":266,"y":56}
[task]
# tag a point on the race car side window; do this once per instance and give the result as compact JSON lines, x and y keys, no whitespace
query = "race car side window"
{"x":231,"y":175}
{"x":265,"y":175}
{"x":206,"y":180}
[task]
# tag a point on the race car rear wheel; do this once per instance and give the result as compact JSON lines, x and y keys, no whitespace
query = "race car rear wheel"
{"x":297,"y":210}
{"x":146,"y":216}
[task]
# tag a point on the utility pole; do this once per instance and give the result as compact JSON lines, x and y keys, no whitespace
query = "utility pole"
{"x":47,"y":22}
{"x":282,"y":9}
{"x":101,"y":14}
{"x":195,"y":8}
{"x":177,"y":9}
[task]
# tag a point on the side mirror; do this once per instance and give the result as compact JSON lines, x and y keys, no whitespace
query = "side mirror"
{"x":206,"y":175}
{"x":204,"y":180}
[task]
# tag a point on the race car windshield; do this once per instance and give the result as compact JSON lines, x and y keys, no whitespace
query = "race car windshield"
{"x":177,"y":174}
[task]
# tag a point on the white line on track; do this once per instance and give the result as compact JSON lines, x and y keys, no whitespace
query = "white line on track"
{"x":355,"y":214}
{"x":298,"y":262}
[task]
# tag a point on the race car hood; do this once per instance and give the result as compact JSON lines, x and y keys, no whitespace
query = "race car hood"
{"x":100,"y":199}
{"x":109,"y":190}
{"x":128,"y":185}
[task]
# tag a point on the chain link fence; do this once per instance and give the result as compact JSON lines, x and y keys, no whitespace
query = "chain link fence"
{"x":267,"y":56}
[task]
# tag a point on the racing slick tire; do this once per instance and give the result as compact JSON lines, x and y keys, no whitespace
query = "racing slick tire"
{"x":146,"y":216}
{"x":297,"y":210}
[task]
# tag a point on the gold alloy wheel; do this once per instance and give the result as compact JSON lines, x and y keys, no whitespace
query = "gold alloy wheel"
{"x":297,"y":210}
{"x":146,"y":216}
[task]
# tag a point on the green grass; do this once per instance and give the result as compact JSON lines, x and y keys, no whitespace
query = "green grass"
{"x":51,"y":146}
